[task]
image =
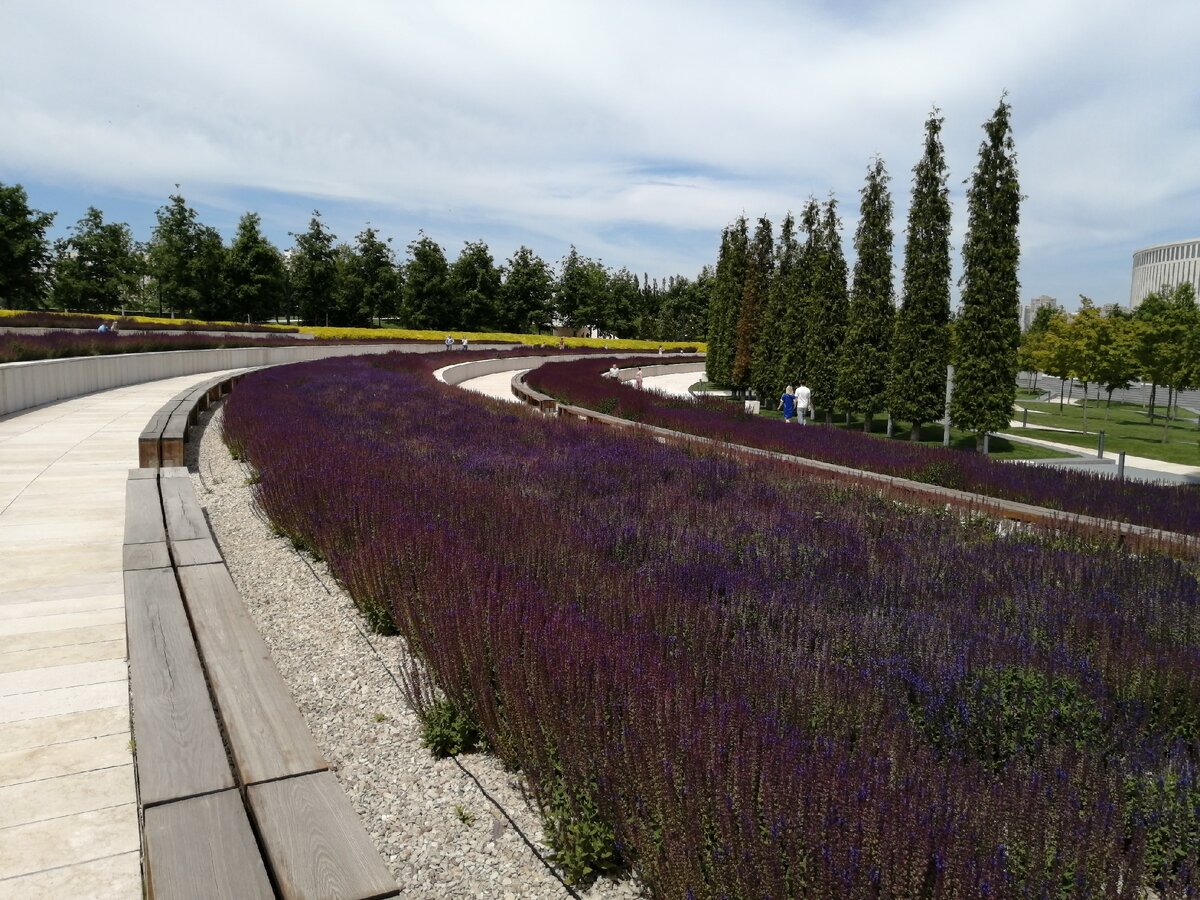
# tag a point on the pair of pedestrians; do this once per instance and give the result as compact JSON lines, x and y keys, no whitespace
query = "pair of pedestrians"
{"x":796,"y":400}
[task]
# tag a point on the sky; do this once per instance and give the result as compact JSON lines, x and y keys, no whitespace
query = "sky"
{"x":635,"y":131}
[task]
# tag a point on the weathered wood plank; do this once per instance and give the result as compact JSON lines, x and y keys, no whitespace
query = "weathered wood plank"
{"x":145,"y":556}
{"x":178,"y":748}
{"x":203,"y":848}
{"x":198,"y":552}
{"x":268,"y":736}
{"x":182,"y":511}
{"x":143,"y":512}
{"x":314,"y":842}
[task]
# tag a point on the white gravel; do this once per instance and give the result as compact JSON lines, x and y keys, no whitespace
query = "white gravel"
{"x":413,"y":806}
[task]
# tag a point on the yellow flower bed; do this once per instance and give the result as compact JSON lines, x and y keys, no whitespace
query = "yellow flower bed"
{"x":487,"y":337}
{"x":145,"y":320}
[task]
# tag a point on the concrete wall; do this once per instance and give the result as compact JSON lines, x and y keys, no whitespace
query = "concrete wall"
{"x":457,"y":374}
{"x":27,"y":384}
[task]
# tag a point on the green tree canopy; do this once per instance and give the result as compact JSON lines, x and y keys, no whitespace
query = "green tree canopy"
{"x":826,"y":326}
{"x":98,"y":267}
{"x":426,"y":293}
{"x":254,"y":273}
{"x":475,"y":287}
{"x":581,"y":296}
{"x":920,"y":349}
{"x":524,"y":301}
{"x":775,"y":364}
{"x":24,"y":250}
{"x":313,"y":273}
{"x":187,"y":259}
{"x":989,"y":327}
{"x":726,"y":304}
{"x":864,"y":360}
{"x":755,"y":289}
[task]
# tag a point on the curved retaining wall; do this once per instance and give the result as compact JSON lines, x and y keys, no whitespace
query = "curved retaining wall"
{"x":457,"y":374}
{"x":27,"y":384}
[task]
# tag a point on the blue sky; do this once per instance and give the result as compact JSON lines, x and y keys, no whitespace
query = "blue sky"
{"x":634,"y":130}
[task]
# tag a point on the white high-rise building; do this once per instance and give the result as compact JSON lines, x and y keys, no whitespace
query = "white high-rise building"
{"x":1030,"y":309}
{"x":1164,"y":266}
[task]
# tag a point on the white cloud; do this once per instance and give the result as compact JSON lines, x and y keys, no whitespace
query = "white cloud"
{"x":613,"y":121}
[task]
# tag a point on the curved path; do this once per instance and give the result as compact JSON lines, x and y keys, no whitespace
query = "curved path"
{"x":68,"y":807}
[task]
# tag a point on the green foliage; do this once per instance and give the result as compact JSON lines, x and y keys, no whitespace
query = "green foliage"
{"x":524,"y":302}
{"x":24,"y":250}
{"x":864,"y":358}
{"x":920,"y":348}
{"x":447,"y":731}
{"x":989,"y":326}
{"x":97,"y":268}
{"x":1005,"y":711}
{"x":254,"y":273}
{"x":369,"y":286}
{"x":314,"y":273}
{"x":582,"y":295}
{"x":1167,"y":806}
{"x":187,"y":260}
{"x":475,"y":288}
{"x":775,"y":366}
{"x":725,"y":306}
{"x":755,"y":287}
{"x":584,"y":844}
{"x":426,"y":295}
{"x":825,"y":326}
{"x":464,"y":815}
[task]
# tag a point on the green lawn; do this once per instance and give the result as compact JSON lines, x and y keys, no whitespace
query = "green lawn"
{"x":1127,"y":428}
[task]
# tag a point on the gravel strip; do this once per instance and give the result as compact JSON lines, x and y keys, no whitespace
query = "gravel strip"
{"x":432,"y":823}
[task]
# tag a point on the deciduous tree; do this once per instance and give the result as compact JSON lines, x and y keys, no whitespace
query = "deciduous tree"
{"x":313,"y":273}
{"x":254,"y":273}
{"x":24,"y":250}
{"x":524,"y":302}
{"x":96,"y":268}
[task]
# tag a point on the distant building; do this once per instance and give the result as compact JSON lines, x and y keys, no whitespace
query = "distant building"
{"x":1030,"y":310}
{"x":1164,"y":265}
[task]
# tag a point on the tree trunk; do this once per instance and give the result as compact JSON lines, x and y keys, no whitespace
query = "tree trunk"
{"x":1153,"y":395}
{"x":1167,"y":418}
{"x":867,"y":416}
{"x":1084,"y":405}
{"x":916,"y":432}
{"x":979,"y":443}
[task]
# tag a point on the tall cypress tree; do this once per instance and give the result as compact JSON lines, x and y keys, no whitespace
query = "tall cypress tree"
{"x":755,"y":288}
{"x":921,"y":342}
{"x":774,"y":366}
{"x":863,"y":367}
{"x":826,"y":327}
{"x":724,"y":308}
{"x":800,"y":291}
{"x":989,"y":329}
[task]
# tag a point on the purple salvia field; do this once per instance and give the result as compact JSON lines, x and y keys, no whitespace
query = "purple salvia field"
{"x":1168,"y":507}
{"x":756,"y":684}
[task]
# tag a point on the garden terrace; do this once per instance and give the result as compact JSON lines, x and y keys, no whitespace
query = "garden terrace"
{"x":1167,"y":508}
{"x":740,"y":681}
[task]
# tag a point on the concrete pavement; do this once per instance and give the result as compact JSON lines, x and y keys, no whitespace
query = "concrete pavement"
{"x":68,"y":806}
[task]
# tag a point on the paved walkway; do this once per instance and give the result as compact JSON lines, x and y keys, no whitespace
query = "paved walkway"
{"x":68,"y":808}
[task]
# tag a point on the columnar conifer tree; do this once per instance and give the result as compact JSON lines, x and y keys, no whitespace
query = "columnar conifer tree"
{"x":754,"y":301}
{"x":989,"y":330}
{"x":863,"y":367}
{"x":774,"y":366}
{"x":801,"y":292}
{"x":725,"y":306}
{"x":826,"y":327}
{"x":921,"y":343}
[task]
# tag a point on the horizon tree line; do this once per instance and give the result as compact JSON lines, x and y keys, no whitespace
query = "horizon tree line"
{"x":186,"y":268}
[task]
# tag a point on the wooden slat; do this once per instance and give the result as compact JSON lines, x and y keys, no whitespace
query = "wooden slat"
{"x":314,"y":842}
{"x":182,"y":511}
{"x":267,"y":734}
{"x":203,"y":848}
{"x":178,"y":748}
{"x":137,"y":474}
{"x":145,"y":556}
{"x":195,"y":553}
{"x":143,"y":512}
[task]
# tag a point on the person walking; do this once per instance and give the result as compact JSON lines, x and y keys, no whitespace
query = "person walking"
{"x":788,"y":403}
{"x":804,"y":401}
{"x":637,"y":379}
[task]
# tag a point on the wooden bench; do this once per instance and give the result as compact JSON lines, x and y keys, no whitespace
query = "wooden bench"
{"x":205,"y":693}
{"x":164,"y":439}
